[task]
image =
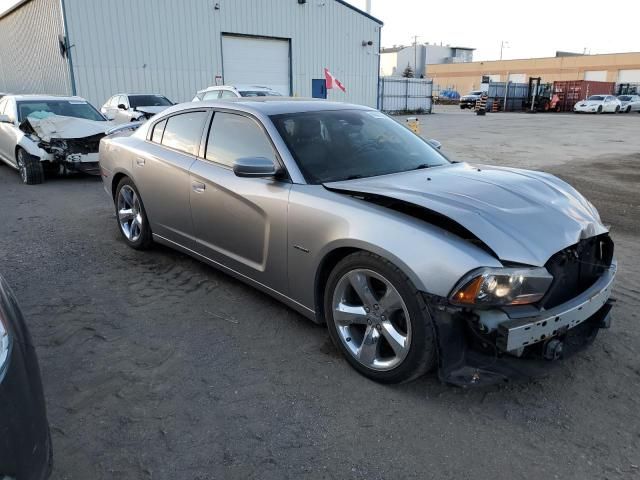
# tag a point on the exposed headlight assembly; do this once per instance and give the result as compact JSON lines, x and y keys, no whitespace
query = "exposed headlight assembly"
{"x":488,"y":287}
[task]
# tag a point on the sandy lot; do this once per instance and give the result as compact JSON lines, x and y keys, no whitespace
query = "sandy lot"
{"x":158,"y":367}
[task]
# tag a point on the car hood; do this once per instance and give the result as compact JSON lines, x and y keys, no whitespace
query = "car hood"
{"x":152,"y":109}
{"x":590,"y":103}
{"x":522,"y":216}
{"x":68,"y":128}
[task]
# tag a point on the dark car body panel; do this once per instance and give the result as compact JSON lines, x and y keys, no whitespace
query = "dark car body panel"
{"x":25,"y":445}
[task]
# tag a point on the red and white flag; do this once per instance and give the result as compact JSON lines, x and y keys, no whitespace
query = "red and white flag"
{"x":331,"y":81}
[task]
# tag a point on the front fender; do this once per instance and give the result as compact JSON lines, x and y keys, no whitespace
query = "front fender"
{"x":32,"y":148}
{"x":321,"y":221}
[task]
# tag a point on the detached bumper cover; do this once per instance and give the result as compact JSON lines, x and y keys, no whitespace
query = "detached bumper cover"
{"x":25,"y":448}
{"x":467,"y":359}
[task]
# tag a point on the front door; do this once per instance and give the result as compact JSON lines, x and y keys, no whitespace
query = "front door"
{"x":319,"y":88}
{"x":240,"y":223}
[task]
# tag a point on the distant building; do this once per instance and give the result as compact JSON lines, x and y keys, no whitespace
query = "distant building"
{"x":394,"y":60}
{"x":622,"y":68}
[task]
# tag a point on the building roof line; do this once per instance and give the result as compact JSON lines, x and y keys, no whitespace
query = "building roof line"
{"x":13,"y":8}
{"x":361,"y":12}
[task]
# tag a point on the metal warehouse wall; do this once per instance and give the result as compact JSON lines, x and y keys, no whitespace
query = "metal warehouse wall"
{"x":174,"y":47}
{"x":30,"y":60}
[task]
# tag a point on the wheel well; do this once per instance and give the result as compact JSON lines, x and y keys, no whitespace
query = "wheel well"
{"x":114,"y":184}
{"x":324,"y":270}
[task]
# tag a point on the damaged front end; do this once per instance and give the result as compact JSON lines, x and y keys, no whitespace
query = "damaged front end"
{"x":482,"y":346}
{"x":70,"y":144}
{"x":74,"y":155}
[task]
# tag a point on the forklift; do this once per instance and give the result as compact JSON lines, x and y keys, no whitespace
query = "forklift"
{"x":541,"y":97}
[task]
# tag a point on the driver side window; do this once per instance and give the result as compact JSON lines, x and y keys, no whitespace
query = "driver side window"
{"x":223,"y":145}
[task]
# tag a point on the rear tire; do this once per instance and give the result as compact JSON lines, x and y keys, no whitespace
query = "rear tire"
{"x":30,"y":168}
{"x":387,"y":336}
{"x":131,"y":216}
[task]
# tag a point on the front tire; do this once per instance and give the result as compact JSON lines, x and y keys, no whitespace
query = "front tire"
{"x":131,"y":216}
{"x":617,"y":109}
{"x":30,"y":168}
{"x":599,"y":109}
{"x":379,"y":320}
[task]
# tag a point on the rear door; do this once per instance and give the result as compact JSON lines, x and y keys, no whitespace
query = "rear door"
{"x":240,"y":223}
{"x":161,"y":173}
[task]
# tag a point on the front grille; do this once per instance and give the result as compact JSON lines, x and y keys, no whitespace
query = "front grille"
{"x":577,"y":268}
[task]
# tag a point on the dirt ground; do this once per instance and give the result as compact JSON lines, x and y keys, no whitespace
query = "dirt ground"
{"x":156,"y":366}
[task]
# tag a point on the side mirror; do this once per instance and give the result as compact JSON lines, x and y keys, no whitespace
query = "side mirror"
{"x":122,"y":106}
{"x":434,"y":143}
{"x":5,"y":119}
{"x":256,"y":167}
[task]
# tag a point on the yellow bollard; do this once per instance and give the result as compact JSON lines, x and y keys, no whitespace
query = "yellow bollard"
{"x":414,"y":124}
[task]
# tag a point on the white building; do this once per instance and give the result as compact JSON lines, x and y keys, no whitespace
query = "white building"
{"x":394,"y":60}
{"x":95,"y":48}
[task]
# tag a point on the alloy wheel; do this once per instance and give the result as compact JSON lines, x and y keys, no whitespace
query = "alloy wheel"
{"x":372,"y":319}
{"x":129,"y":213}
{"x":21,"y":166}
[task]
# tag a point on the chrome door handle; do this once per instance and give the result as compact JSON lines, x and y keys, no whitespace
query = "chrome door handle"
{"x":198,"y":187}
{"x":140,"y":161}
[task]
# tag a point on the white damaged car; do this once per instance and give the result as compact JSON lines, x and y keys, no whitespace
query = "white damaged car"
{"x":598,"y":104}
{"x":55,"y":134}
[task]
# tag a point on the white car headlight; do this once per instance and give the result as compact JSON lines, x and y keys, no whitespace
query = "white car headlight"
{"x":501,"y":286}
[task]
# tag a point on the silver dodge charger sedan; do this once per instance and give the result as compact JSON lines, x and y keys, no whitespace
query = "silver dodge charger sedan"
{"x":413,"y":261}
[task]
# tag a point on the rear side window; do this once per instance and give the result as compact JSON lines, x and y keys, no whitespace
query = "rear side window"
{"x":211,"y":95}
{"x":234,"y":136}
{"x":158,"y":130}
{"x":228,"y":94}
{"x":184,"y":131}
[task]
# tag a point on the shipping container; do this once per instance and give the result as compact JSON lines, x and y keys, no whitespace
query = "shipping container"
{"x":510,"y":100}
{"x":571,"y":92}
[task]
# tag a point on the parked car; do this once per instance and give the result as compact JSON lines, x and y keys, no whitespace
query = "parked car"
{"x":469,"y":100}
{"x":231,"y":91}
{"x":629,"y":103}
{"x":133,"y":107}
{"x":598,"y":104}
{"x":25,"y":442}
{"x":56,"y":134}
{"x":351,"y":219}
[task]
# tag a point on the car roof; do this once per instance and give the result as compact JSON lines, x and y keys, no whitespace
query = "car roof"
{"x":272,"y":105}
{"x":45,"y":97}
{"x":258,"y":88}
{"x":137,"y":94}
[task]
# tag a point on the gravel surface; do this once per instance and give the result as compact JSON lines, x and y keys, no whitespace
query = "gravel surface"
{"x":156,"y":366}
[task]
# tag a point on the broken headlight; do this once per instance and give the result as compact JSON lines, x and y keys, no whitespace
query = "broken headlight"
{"x":501,"y":286}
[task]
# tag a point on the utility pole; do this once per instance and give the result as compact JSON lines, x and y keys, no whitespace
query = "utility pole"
{"x":503,"y":44}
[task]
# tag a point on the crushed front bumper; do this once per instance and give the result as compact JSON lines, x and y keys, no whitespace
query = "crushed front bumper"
{"x":525,"y":345}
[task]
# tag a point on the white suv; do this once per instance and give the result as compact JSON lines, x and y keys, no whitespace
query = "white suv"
{"x":237,"y":91}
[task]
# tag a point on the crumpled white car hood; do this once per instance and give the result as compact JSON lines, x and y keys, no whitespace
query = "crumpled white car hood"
{"x":57,"y":126}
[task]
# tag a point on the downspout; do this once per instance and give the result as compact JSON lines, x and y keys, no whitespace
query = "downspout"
{"x":72,"y":77}
{"x":378,"y":99}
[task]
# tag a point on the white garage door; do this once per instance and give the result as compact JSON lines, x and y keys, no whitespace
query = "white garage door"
{"x":629,"y":76}
{"x":256,"y":61}
{"x":518,"y":77}
{"x":596,"y":75}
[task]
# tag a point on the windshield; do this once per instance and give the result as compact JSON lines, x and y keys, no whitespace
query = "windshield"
{"x":624,"y":98}
{"x":335,"y":145}
{"x":148,"y":101}
{"x":259,"y":93}
{"x":478,"y":92}
{"x":596,"y":97}
{"x":66,"y":108}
